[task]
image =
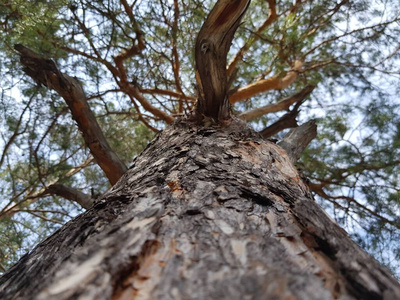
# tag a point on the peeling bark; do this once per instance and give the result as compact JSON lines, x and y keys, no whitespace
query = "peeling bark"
{"x":44,"y":71}
{"x":204,"y":213}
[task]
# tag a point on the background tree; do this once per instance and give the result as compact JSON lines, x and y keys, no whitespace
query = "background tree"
{"x":337,"y":62}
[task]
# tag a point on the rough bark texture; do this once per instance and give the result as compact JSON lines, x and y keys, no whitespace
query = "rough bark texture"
{"x":212,"y":45}
{"x":204,"y":213}
{"x":44,"y":71}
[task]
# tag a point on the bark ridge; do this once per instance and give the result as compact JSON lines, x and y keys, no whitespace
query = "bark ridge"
{"x":206,"y":213}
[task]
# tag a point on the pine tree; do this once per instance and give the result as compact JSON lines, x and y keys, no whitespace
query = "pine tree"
{"x":210,"y":203}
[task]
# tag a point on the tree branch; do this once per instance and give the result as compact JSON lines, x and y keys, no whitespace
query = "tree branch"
{"x":167,"y":93}
{"x":212,"y":45}
{"x":44,"y":71}
{"x":16,"y":131}
{"x":275,"y":107}
{"x":32,"y":196}
{"x":176,"y":65}
{"x":134,"y":91}
{"x":71,"y":194}
{"x":272,"y":17}
{"x":141,"y":116}
{"x":334,"y":38}
{"x":288,"y":120}
{"x":318,"y":189}
{"x":298,"y":139}
{"x":263,"y":85}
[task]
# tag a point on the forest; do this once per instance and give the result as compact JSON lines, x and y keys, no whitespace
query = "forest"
{"x":89,"y":87}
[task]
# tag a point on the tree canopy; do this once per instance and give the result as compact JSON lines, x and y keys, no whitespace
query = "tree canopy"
{"x":290,"y":62}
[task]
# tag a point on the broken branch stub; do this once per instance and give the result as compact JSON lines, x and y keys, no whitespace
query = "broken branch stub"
{"x":212,"y":45}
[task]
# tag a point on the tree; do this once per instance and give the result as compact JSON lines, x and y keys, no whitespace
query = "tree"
{"x":202,"y":154}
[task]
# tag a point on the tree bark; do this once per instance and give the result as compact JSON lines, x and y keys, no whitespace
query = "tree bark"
{"x":212,"y":46}
{"x":297,"y":140}
{"x":204,"y":213}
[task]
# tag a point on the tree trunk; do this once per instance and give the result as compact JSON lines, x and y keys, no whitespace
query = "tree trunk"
{"x":204,"y":213}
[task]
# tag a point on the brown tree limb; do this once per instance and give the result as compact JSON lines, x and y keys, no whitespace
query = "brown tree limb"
{"x":129,"y":12}
{"x":44,"y":71}
{"x":297,"y":140}
{"x":329,"y":40}
{"x":134,"y":91}
{"x":8,"y":211}
{"x":279,"y":106}
{"x":101,"y":94}
{"x":272,"y":17}
{"x":212,"y":45}
{"x":119,"y":72}
{"x":16,"y":133}
{"x":41,"y":216}
{"x":390,"y":55}
{"x":70,"y":194}
{"x":2,"y":268}
{"x":263,"y":85}
{"x":105,"y":62}
{"x":326,"y":16}
{"x":167,"y":93}
{"x":141,"y":116}
{"x":288,"y":120}
{"x":86,"y":33}
{"x":127,"y":114}
{"x":136,"y":48}
{"x":176,"y":65}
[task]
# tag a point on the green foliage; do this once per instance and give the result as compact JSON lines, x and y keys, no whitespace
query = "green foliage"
{"x":349,"y":49}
